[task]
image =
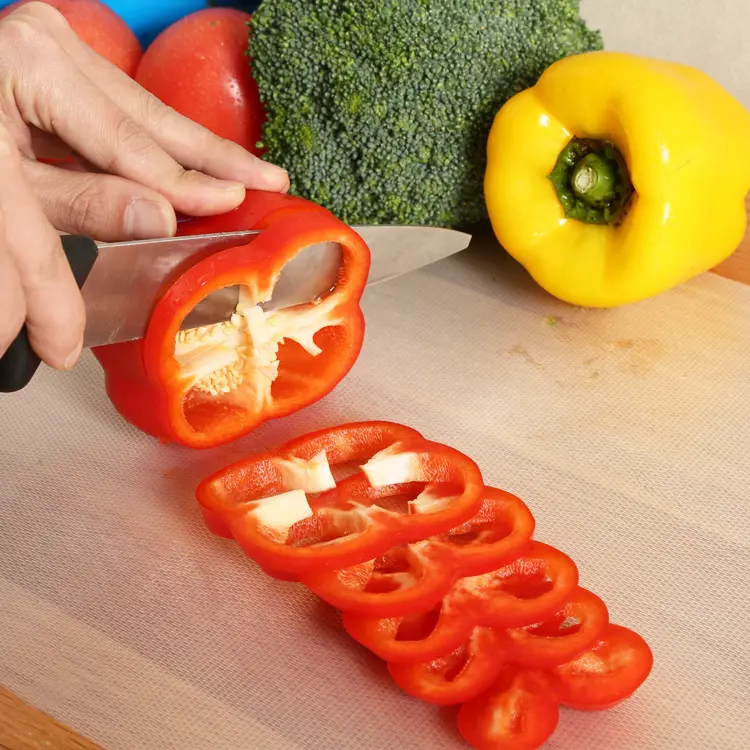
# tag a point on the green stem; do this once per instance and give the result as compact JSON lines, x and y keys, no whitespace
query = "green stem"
{"x":592,"y":181}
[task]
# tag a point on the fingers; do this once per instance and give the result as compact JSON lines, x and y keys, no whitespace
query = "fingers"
{"x":55,"y":313}
{"x":104,"y":135}
{"x":107,"y":208}
{"x":190,"y":144}
{"x":52,"y":94}
{"x":12,"y":302}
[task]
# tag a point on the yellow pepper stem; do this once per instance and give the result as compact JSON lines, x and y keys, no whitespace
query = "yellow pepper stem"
{"x":592,"y":181}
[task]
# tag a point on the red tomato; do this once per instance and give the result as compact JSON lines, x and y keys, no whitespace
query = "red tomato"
{"x":199,"y":67}
{"x":100,"y":27}
{"x":518,"y":713}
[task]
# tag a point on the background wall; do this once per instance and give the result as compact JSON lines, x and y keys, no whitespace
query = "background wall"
{"x":709,"y":34}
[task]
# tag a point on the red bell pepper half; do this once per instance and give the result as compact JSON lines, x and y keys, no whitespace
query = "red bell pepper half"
{"x":286,"y":510}
{"x":207,"y":386}
{"x":519,"y":712}
{"x":607,"y":674}
{"x":412,"y":578}
{"x":527,"y":591}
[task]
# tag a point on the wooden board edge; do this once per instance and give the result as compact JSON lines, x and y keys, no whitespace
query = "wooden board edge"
{"x":25,"y":728}
{"x":737,"y":265}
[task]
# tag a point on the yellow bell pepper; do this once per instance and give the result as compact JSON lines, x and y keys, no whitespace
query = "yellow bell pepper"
{"x":617,"y":177}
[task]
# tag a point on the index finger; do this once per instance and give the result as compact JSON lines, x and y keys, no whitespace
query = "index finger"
{"x":54,"y":95}
{"x":191,"y":144}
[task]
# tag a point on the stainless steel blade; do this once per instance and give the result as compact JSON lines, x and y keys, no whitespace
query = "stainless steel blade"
{"x":127,"y":277}
{"x":123,"y":286}
{"x":395,"y":250}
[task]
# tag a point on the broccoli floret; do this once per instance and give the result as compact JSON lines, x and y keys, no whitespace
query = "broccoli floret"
{"x":380,"y":109}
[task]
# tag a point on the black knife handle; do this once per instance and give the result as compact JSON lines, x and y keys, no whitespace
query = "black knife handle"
{"x":20,"y":361}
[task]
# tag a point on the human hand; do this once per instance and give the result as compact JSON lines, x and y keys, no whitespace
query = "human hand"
{"x":143,"y":162}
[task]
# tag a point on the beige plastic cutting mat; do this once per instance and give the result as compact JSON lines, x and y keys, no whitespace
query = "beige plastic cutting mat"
{"x":627,"y":433}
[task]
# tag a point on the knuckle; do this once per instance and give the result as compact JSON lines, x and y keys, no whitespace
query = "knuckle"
{"x":24,"y":31}
{"x":155,"y":113}
{"x":28,"y":48}
{"x":43,"y":13}
{"x":83,"y":203}
{"x":130,"y":141}
{"x":96,"y":206}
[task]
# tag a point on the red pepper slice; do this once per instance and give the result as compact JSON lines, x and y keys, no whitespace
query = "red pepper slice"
{"x":566,"y":635}
{"x":458,"y":677}
{"x":349,"y":523}
{"x":472,"y":667}
{"x":412,"y":578}
{"x":267,"y":365}
{"x":527,"y":591}
{"x":607,"y":674}
{"x":519,"y":712}
{"x":346,"y":445}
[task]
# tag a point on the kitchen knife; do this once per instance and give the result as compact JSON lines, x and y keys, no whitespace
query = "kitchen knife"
{"x":120,"y":282}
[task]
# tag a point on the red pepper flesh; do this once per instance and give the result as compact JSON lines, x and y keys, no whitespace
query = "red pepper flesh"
{"x":566,"y":635}
{"x":469,"y":670}
{"x":412,"y":578}
{"x":458,"y":677}
{"x":519,"y":712}
{"x":347,"y":524}
{"x":607,"y":674}
{"x":530,"y":589}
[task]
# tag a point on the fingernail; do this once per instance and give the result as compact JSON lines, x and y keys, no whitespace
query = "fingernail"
{"x":145,"y":219}
{"x":72,"y":358}
{"x":274,"y":178}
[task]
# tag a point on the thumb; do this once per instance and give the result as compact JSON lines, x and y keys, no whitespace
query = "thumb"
{"x":104,"y":207}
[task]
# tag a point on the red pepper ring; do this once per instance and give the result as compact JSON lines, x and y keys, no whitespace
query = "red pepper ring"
{"x":473,"y":666}
{"x":458,"y":677}
{"x":519,"y":712}
{"x":344,"y":526}
{"x":336,"y":536}
{"x":527,"y":591}
{"x":262,"y":474}
{"x":556,"y":640}
{"x":412,"y":578}
{"x":350,"y":443}
{"x":607,"y":674}
{"x":201,"y":417}
{"x":237,"y":483}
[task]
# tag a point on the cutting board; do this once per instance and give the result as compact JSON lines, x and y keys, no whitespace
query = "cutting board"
{"x":625,"y":431}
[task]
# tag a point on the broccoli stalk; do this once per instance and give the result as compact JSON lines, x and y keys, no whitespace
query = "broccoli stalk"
{"x":380,"y":109}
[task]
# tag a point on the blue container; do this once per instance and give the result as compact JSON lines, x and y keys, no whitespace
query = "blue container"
{"x":148,"y":18}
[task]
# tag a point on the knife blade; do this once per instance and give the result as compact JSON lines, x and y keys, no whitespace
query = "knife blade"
{"x":120,"y":282}
{"x":127,"y":277}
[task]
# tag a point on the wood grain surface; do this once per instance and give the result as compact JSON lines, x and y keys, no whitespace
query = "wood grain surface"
{"x":24,"y":728}
{"x":737,"y":266}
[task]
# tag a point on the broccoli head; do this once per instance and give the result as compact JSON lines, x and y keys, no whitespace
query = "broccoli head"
{"x":380,"y":109}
